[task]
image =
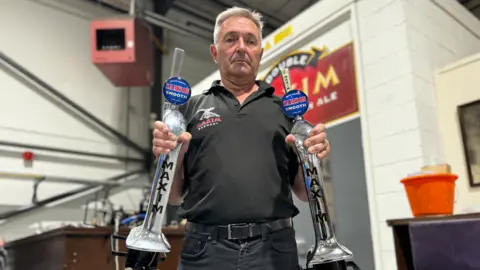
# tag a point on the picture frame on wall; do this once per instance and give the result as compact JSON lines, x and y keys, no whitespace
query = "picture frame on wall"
{"x":469,"y":119}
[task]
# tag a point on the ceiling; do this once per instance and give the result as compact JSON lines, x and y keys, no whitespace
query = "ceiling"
{"x":199,"y":15}
{"x":275,"y":13}
{"x":472,"y":5}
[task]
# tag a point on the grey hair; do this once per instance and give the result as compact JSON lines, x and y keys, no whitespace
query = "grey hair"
{"x":237,"y":12}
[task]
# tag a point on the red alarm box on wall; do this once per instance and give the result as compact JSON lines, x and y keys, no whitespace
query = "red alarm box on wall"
{"x":122,"y":49}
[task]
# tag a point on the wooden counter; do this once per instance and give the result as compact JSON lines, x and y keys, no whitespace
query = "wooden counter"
{"x":79,"y":249}
{"x":403,"y":240}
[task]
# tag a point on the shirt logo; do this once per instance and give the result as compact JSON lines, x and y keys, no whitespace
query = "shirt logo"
{"x":208,"y":118}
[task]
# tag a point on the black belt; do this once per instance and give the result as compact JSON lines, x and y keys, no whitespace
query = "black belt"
{"x":241,"y":230}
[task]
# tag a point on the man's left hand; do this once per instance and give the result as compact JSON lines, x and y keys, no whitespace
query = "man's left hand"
{"x":316,"y":142}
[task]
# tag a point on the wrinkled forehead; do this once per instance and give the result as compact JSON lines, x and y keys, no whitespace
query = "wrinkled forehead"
{"x":239,"y":26}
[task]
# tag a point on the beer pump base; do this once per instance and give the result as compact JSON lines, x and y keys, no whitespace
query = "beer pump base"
{"x":137,"y":259}
{"x":145,"y":240}
{"x":337,"y":265}
{"x":142,"y":260}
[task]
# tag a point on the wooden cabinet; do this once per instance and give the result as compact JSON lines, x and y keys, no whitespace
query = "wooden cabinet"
{"x":71,"y":248}
{"x":437,"y":242}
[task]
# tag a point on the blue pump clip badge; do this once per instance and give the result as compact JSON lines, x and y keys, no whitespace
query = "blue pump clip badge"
{"x":177,"y":91}
{"x":295,"y":103}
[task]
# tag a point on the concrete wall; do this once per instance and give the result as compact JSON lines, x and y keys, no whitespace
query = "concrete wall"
{"x":52,"y":41}
{"x":455,"y":86}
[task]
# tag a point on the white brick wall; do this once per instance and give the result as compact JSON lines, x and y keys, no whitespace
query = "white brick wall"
{"x":435,"y":39}
{"x":402,"y":42}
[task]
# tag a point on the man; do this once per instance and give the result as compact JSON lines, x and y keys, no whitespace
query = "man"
{"x":237,"y":166}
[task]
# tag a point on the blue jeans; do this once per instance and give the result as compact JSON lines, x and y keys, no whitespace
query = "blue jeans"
{"x":270,"y":251}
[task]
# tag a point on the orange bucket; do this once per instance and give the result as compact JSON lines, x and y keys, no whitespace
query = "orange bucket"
{"x":431,"y":194}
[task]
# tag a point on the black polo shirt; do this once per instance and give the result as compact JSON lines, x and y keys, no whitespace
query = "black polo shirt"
{"x":238,"y":167}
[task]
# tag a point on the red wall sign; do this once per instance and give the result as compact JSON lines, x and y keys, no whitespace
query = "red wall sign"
{"x":328,"y":79}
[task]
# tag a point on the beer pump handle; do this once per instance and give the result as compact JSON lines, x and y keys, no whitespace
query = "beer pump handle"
{"x":326,"y":248}
{"x":146,"y":243}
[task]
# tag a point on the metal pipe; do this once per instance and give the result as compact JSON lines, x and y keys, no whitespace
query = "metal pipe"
{"x":161,"y":21}
{"x":132,"y":7}
{"x":72,"y":104}
{"x":199,"y":26}
{"x":31,"y":207}
{"x":195,"y":13}
{"x":166,"y":26}
{"x":68,"y":151}
{"x":54,"y":179}
{"x":173,"y":28}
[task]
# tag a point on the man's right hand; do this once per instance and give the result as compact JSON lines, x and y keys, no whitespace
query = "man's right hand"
{"x":164,"y":140}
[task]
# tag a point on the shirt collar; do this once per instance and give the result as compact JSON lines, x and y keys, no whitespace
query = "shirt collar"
{"x":262,"y":86}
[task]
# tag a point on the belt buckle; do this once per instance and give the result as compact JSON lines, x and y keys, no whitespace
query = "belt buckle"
{"x":229,"y":231}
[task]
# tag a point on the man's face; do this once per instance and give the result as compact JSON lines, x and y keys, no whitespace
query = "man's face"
{"x":239,"y":50}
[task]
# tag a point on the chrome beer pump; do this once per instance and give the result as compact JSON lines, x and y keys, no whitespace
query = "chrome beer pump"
{"x":146,"y":244}
{"x":326,"y":253}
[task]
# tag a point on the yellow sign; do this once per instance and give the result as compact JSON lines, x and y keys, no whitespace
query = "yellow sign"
{"x":278,"y":37}
{"x":268,"y":46}
{"x":284,"y":33}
